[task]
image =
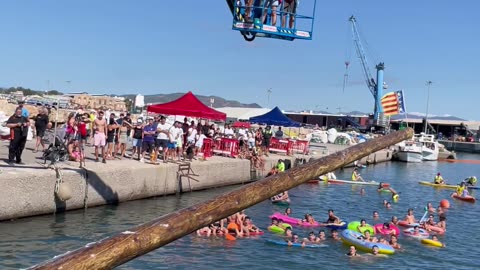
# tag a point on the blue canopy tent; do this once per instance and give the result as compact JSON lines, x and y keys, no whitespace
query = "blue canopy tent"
{"x":275,"y":117}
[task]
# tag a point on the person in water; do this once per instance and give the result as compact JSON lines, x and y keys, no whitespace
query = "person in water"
{"x":288,"y":211}
{"x":430,"y":208}
{"x":356,"y":176}
{"x":410,"y":218}
{"x":362,"y":191}
{"x":394,"y":242}
{"x":334,"y":235}
{"x":332,"y":218}
{"x":281,"y":197}
{"x":376,"y":215}
{"x":321,"y":236}
{"x":308,"y":219}
{"x":395,"y":194}
{"x":470,"y":181}
{"x":442,"y":222}
{"x":380,"y":187}
{"x":375,"y":250}
{"x":416,"y":230}
{"x":240,"y":217}
{"x":233,"y":227}
{"x":249,"y":227}
{"x":352,"y":252}
{"x":388,"y":205}
{"x":394,"y":220}
{"x":362,"y":226}
{"x":288,"y":232}
{"x":435,"y":238}
{"x":386,"y":229}
{"x":438,"y":179}
{"x":295,"y":239}
{"x":311,"y":238}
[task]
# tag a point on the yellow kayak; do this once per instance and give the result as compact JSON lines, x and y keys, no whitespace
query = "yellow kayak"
{"x":437,"y":185}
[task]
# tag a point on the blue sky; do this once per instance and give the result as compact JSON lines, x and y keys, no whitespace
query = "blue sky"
{"x":149,"y":47}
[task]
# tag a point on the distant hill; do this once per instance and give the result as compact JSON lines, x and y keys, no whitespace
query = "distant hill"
{"x":422,"y":115}
{"x":219,"y":102}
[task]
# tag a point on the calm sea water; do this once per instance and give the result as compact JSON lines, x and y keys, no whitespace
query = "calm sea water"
{"x":29,"y":241}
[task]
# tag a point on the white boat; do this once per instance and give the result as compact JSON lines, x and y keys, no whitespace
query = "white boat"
{"x":411,"y":151}
{"x":430,"y":147}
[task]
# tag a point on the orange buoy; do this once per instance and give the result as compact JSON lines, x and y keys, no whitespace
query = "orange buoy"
{"x":444,"y":203}
{"x":230,"y":237}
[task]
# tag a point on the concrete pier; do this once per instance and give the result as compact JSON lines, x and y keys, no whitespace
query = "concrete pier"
{"x":468,"y":147}
{"x":28,"y":190}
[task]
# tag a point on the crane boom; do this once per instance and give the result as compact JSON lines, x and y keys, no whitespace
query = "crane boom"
{"x":375,"y":86}
{"x":371,"y":84}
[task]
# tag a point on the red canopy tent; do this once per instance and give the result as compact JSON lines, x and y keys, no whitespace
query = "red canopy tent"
{"x":187,"y":105}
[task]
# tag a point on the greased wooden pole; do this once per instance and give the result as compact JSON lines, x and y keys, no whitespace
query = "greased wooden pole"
{"x":125,"y":246}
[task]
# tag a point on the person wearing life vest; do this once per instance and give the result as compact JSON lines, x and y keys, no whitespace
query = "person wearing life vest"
{"x":460,"y":189}
{"x":280,"y":166}
{"x":438,"y":180}
{"x":470,"y":181}
{"x":356,"y":176}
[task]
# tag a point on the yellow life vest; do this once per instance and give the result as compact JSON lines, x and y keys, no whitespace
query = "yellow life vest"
{"x":438,"y":179}
{"x":460,"y":190}
{"x":354,"y":177}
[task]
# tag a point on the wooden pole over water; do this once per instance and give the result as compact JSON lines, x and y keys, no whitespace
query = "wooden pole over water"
{"x":123,"y":247}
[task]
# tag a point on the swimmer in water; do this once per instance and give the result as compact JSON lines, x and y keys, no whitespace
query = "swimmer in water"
{"x":352,"y":252}
{"x":375,"y":250}
{"x":435,"y":238}
{"x":430,"y":208}
{"x":416,"y":231}
{"x":442,"y":222}
{"x":321,"y":236}
{"x":309,"y":219}
{"x":410,"y":218}
{"x":385,"y":202}
{"x":394,"y":220}
{"x":375,"y":215}
{"x":334,"y":235}
{"x":288,"y":232}
{"x":362,"y":225}
{"x":233,"y":227}
{"x":394,"y":242}
{"x":388,"y":205}
{"x":311,"y":238}
{"x":332,"y":219}
{"x":249,"y":227}
{"x":288,"y":211}
{"x":295,"y":239}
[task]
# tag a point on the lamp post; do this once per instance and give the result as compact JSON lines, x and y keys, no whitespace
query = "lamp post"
{"x":429,"y":83}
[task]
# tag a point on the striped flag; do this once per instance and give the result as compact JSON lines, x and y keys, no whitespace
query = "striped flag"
{"x":393,"y":103}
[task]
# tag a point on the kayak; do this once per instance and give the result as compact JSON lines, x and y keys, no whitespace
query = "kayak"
{"x":353,"y":238}
{"x":431,"y":242}
{"x":369,"y":183}
{"x":292,"y":220}
{"x":425,"y":183}
{"x":353,"y":226}
{"x":285,"y":243}
{"x":469,"y":199}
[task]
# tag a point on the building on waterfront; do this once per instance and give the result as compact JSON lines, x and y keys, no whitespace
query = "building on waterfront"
{"x":448,"y":128}
{"x":330,"y":120}
{"x":98,"y":101}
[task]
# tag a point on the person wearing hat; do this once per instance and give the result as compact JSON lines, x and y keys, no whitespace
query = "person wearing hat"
{"x":137,"y":138}
{"x":438,"y":179}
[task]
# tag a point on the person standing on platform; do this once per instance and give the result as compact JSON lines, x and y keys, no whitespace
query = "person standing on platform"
{"x":18,"y":125}
{"x":41,"y":122}
{"x":267,"y":135}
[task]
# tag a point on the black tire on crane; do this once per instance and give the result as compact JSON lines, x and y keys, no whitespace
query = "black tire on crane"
{"x":249,"y":36}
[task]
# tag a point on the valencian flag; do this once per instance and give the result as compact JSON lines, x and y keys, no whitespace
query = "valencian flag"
{"x":393,"y":103}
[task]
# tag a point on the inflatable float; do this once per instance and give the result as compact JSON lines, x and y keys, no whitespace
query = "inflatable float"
{"x":292,"y":220}
{"x":404,"y":223}
{"x":279,"y":229}
{"x":431,"y":242}
{"x":379,"y":229}
{"x":422,"y":234}
{"x":469,"y":199}
{"x":436,"y":230}
{"x":353,"y":226}
{"x":341,"y":226}
{"x":285,"y":243}
{"x":354,"y":238}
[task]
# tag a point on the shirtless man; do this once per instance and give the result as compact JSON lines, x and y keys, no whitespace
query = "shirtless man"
{"x":332,"y":219}
{"x":100,"y":129}
{"x":409,"y":217}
